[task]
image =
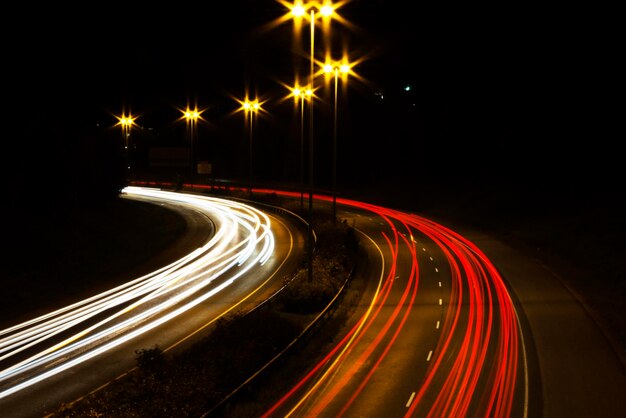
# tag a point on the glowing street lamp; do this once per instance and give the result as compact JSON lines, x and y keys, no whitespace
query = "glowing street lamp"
{"x":126,"y":123}
{"x":191,"y":117}
{"x":300,"y":94}
{"x":250,"y":108}
{"x":300,"y":10}
{"x":336,"y":68}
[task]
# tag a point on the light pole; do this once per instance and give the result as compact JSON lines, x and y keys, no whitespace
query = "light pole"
{"x":298,"y":11}
{"x":126,"y":122}
{"x":191,"y":116}
{"x":250,"y":109}
{"x":335,"y":69}
{"x":300,"y":94}
{"x":308,"y":95}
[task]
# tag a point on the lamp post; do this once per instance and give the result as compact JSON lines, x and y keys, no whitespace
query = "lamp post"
{"x":126,"y":123}
{"x":335,"y":69}
{"x":298,"y":11}
{"x":300,"y":94}
{"x":250,"y":109}
{"x":191,"y":116}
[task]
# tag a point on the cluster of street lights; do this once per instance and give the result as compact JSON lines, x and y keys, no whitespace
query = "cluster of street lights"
{"x":300,"y":11}
{"x":191,"y":117}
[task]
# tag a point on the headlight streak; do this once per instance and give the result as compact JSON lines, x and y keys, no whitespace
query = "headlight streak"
{"x":73,"y":309}
{"x":242,"y":240}
{"x":489,"y":327}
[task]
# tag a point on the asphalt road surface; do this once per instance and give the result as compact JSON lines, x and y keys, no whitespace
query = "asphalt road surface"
{"x":456,"y":323}
{"x":239,"y":256}
{"x":452,"y":322}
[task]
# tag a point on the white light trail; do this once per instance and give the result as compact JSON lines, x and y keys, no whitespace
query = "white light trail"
{"x":69,"y":336}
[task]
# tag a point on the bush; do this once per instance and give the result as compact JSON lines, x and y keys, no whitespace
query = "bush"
{"x":150,"y":360}
{"x":303,"y":296}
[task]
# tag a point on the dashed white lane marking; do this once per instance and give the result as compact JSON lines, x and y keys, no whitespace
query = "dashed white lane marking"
{"x":438,"y":324}
{"x":431,"y":259}
{"x":439,"y":284}
{"x":410,"y":399}
{"x":430,"y":354}
{"x":423,"y":249}
{"x":436,"y":270}
{"x":440,"y":301}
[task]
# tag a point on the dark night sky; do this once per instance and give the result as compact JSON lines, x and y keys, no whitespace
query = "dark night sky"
{"x":496,"y":92}
{"x":513,"y":114}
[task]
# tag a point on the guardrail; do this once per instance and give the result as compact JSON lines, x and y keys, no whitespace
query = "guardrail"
{"x":308,"y":331}
{"x":304,"y":335}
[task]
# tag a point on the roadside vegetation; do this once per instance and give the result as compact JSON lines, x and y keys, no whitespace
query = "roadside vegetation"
{"x":196,"y":381}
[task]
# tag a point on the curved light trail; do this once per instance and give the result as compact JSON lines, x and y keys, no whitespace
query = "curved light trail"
{"x":473,"y":368}
{"x":47,"y":345}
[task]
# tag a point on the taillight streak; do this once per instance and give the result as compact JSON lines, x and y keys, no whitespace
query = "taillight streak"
{"x":489,"y":325}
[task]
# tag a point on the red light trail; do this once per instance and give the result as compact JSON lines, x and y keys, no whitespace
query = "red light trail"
{"x":473,"y":367}
{"x":489,"y":327}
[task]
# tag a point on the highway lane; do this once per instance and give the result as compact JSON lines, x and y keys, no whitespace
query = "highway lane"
{"x":438,"y":337}
{"x":59,"y":358}
{"x":576,"y":370}
{"x":451,"y":324}
{"x":509,"y":339}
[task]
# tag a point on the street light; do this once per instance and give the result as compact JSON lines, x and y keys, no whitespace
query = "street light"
{"x":335,"y":68}
{"x":300,"y":94}
{"x":298,"y":11}
{"x":126,"y":122}
{"x":250,"y":108}
{"x":191,"y":117}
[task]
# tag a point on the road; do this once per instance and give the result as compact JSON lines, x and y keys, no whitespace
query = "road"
{"x":457,"y":324}
{"x":58,"y":358}
{"x":452,"y":322}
